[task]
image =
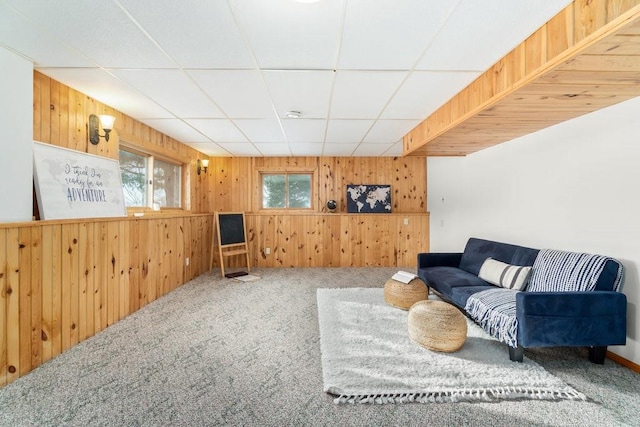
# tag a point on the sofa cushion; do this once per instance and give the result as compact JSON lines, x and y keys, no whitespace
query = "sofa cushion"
{"x":562,"y":271}
{"x":495,"y":311}
{"x":478,"y":250}
{"x":445,"y":279}
{"x":460,"y":294}
{"x":504,"y":275}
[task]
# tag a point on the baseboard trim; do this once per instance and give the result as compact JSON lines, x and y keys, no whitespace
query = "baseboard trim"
{"x":624,"y":362}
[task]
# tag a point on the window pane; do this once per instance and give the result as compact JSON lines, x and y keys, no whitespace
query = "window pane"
{"x":273,"y":191}
{"x":133,"y":170}
{"x":166,"y":184}
{"x":299,"y":191}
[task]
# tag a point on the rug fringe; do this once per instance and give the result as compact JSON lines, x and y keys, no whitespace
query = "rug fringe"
{"x":459,"y":396}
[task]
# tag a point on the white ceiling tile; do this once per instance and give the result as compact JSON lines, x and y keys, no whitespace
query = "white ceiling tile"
{"x":339,"y":149}
{"x":479,"y":33}
{"x":245,"y":149}
{"x":210,"y":149}
{"x":176,"y":129}
{"x":38,"y":45}
{"x":347,"y":130}
{"x":104,"y":87}
{"x":306,"y":148}
{"x":276,"y":149}
{"x":288,"y":34}
{"x":261,"y":130}
{"x":391,"y":34}
{"x":98,"y":29}
{"x":201,"y":34}
{"x":305,"y":91}
{"x":173,"y":90}
{"x":395,"y":150}
{"x":303,"y":130}
{"x":374,"y":150}
{"x":425,"y":91}
{"x":388,"y":131}
{"x":241,"y":94}
{"x":363,"y":94}
{"x":219,"y":130}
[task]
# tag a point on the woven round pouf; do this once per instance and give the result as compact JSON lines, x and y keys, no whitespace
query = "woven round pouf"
{"x":437,"y":325}
{"x":404,"y":295}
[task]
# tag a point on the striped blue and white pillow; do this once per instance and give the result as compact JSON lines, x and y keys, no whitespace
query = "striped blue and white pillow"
{"x":505,"y":275}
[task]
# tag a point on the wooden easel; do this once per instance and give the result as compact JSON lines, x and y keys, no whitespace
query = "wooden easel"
{"x":232,"y":239}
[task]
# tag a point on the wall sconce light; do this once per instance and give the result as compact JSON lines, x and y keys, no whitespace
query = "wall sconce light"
{"x":203,"y":165}
{"x":94,"y":127}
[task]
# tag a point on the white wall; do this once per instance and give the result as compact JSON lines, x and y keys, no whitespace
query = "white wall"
{"x":574,"y":186}
{"x":16,"y":137}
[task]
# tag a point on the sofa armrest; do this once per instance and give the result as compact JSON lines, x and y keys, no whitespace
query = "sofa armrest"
{"x":439,"y":259}
{"x":592,"y":318}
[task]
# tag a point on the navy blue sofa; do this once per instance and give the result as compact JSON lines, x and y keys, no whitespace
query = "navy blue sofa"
{"x":594,"y":318}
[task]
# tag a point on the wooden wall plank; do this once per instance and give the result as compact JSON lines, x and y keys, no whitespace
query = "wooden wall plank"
{"x":113,"y":294}
{"x":13,"y":305}
{"x":135,"y":261}
{"x":25,"y":296}
{"x":47,"y":267}
{"x":3,"y":307}
{"x":123,"y":269}
{"x":145,"y":227}
{"x":36,"y":296}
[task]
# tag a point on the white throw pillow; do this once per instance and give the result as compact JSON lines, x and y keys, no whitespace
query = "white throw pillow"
{"x":506,"y":275}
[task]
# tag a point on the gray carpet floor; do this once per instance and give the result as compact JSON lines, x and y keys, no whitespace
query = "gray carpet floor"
{"x":221,"y":352}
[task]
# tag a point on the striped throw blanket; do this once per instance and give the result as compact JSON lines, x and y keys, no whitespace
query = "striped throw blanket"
{"x":495,"y":311}
{"x":560,"y":271}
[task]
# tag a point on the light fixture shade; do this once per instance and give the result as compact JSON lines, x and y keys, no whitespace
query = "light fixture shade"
{"x":205,"y":163}
{"x":107,"y":121}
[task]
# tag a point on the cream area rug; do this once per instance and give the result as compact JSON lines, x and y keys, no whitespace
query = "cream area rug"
{"x":367,"y":357}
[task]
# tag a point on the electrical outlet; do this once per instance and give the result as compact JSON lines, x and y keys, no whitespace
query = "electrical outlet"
{"x":186,"y":261}
{"x":267,"y":251}
{"x":406,"y":221}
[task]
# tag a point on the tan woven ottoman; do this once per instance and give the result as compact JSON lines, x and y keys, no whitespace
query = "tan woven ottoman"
{"x":437,"y":325}
{"x":404,"y":295}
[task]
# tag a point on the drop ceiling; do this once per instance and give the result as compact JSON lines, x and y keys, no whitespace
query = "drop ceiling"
{"x":221,"y":75}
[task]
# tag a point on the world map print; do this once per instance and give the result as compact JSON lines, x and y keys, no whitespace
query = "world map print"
{"x":369,"y":198}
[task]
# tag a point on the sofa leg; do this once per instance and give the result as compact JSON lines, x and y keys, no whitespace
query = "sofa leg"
{"x":516,"y":354}
{"x":598,"y":354}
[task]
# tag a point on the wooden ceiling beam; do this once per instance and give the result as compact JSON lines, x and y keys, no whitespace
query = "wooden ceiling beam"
{"x":585,"y":58}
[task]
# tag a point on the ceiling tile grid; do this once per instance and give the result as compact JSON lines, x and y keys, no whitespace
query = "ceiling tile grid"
{"x":222,"y":75}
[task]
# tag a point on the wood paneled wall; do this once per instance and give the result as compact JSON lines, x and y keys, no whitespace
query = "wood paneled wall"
{"x":336,"y":240}
{"x":61,"y":115}
{"x":61,"y":282}
{"x":234,"y":182}
{"x":318,"y":238}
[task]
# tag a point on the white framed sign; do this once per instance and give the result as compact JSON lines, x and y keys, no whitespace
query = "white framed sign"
{"x":71,"y":184}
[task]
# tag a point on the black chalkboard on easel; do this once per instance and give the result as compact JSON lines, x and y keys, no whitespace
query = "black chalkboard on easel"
{"x":231,"y":227}
{"x":232,"y":237}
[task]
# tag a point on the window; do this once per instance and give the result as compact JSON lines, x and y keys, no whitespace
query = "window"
{"x":147,"y":180}
{"x":166,"y":184}
{"x":286,"y":190}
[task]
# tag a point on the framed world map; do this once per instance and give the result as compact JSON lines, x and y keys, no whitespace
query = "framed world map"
{"x":368,"y":198}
